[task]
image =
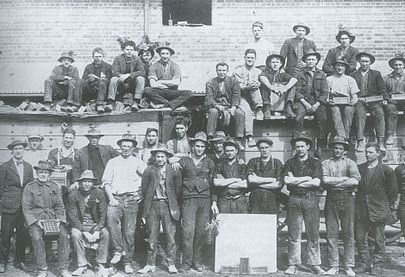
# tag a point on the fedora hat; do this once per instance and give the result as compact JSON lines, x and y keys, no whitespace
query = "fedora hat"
{"x":17,"y":142}
{"x":364,"y":53}
{"x":347,"y":32}
{"x":201,"y":136}
{"x":44,"y":165}
{"x":219,"y":136}
{"x":307,"y":29}
{"x":67,"y":55}
{"x":399,"y":57}
{"x":93,"y":132}
{"x":41,"y":138}
{"x":231,"y":142}
{"x":87,"y":174}
{"x":340,"y":140}
{"x":316,"y":54}
{"x":265,"y":140}
{"x":341,"y":61}
{"x":269,"y":58}
{"x":301,"y":138}
{"x":160,"y":48}
{"x":161,"y":148}
{"x":144,"y":49}
{"x":127,"y":137}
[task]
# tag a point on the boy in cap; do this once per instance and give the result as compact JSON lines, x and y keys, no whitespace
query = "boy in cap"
{"x":217,"y":147}
{"x":87,"y":209}
{"x":165,"y":77}
{"x":340,"y":178}
{"x":262,"y":46}
{"x":160,"y":188}
{"x":64,"y":83}
{"x":42,"y":200}
{"x":345,"y":51}
{"x":14,"y":176}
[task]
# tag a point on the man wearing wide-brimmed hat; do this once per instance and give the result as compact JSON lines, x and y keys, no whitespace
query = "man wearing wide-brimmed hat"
{"x":42,"y":200}
{"x":395,"y":84}
{"x":264,"y":176}
{"x":344,"y":51}
{"x":165,"y":77}
{"x":87,"y":210}
{"x":122,"y":183}
{"x":161,"y":186}
{"x":341,"y":85}
{"x":303,"y":176}
{"x":217,"y":147}
{"x":64,"y":83}
{"x":14,"y":175}
{"x":146,"y":53}
{"x":340,"y":178}
{"x":370,"y":83}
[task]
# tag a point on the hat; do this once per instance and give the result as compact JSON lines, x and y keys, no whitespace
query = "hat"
{"x":68,"y":55}
{"x":398,"y":56}
{"x":268,"y":59}
{"x":41,"y":138}
{"x":341,"y":61}
{"x":341,"y":140}
{"x":165,"y":47}
{"x":219,"y":136}
{"x":44,"y":165}
{"x":301,"y":138}
{"x":201,"y":136}
{"x":150,"y":49}
{"x":346,"y":31}
{"x":318,"y":56}
{"x":307,"y":29}
{"x":127,"y":137}
{"x":17,"y":142}
{"x":265,"y":140}
{"x":87,"y":174}
{"x":161,"y":149}
{"x":361,"y":54}
{"x":232,"y":143}
{"x":93,"y":132}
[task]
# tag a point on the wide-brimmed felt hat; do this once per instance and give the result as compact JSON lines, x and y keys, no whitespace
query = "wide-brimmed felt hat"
{"x":347,"y":32}
{"x":165,"y":47}
{"x":68,"y":55}
{"x":201,"y":136}
{"x":87,"y":174}
{"x":231,"y":142}
{"x":269,"y":58}
{"x":318,"y":56}
{"x":17,"y":142}
{"x":301,"y":138}
{"x":218,"y":136}
{"x":341,"y":61}
{"x":41,"y":138}
{"x":340,"y":140}
{"x":163,"y":149}
{"x":150,"y":49}
{"x":127,"y":137}
{"x":364,"y":53}
{"x":307,"y":29}
{"x":399,"y":57}
{"x":44,"y":165}
{"x":265,"y":140}
{"x":93,"y":132}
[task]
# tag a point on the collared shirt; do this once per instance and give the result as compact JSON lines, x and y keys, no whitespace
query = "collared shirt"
{"x":20,"y":169}
{"x":276,"y":77}
{"x":160,"y":191}
{"x":179,"y":145}
{"x":272,"y":168}
{"x":124,"y":175}
{"x":395,"y":84}
{"x":343,"y":167}
{"x":164,"y":71}
{"x":234,"y":170}
{"x":263,"y":48}
{"x":33,"y":157}
{"x":246,"y":75}
{"x":342,"y":86}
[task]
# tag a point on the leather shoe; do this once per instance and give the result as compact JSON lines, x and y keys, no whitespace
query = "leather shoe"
{"x":128,"y":269}
{"x":22,"y":266}
{"x":116,"y":258}
{"x":199,"y":267}
{"x":289,"y":111}
{"x":2,"y":268}
{"x":349,"y":272}
{"x":316,"y":269}
{"x":172,"y":269}
{"x":184,"y":269}
{"x":79,"y":271}
{"x":147,"y":268}
{"x":291,"y":270}
{"x":332,"y":271}
{"x":362,"y":269}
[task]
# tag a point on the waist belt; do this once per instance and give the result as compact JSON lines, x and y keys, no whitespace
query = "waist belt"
{"x":133,"y":194}
{"x":300,"y":194}
{"x":228,"y":196}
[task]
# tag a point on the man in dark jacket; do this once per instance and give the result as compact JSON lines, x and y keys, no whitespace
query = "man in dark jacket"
{"x":14,"y":175}
{"x":96,"y":77}
{"x":87,"y":210}
{"x":370,"y":83}
{"x":375,"y":200}
{"x":160,"y":186}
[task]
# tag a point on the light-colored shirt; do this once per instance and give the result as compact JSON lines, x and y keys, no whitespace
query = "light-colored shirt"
{"x":20,"y":169}
{"x":342,"y":86}
{"x":33,"y":157}
{"x":183,"y":146}
{"x":395,"y":84}
{"x":263,"y":48}
{"x":245,"y":75}
{"x":162,"y":71}
{"x":124,"y":175}
{"x":340,"y":168}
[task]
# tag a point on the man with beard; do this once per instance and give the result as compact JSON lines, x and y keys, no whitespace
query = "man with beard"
{"x":149,"y":143}
{"x":14,"y":176}
{"x":303,"y":175}
{"x":96,"y":77}
{"x":217,"y":147}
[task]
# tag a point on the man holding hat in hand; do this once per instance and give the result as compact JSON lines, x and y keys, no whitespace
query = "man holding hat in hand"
{"x":160,"y":187}
{"x":14,"y":176}
{"x":340,"y":178}
{"x":303,"y":176}
{"x":122,"y":184}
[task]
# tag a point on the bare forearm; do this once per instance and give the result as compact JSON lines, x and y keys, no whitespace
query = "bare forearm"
{"x":274,"y":185}
{"x":310,"y":184}
{"x":224,"y":182}
{"x":256,"y":180}
{"x":290,"y":180}
{"x":348,"y":183}
{"x":238,"y":185}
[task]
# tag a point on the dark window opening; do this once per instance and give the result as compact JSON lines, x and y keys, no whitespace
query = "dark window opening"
{"x":192,"y":11}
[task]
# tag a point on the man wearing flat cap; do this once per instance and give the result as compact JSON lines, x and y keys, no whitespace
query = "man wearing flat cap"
{"x":262,"y":46}
{"x":303,"y":176}
{"x":42,"y":200}
{"x":34,"y":153}
{"x":64,"y":83}
{"x":160,"y":188}
{"x":342,"y":87}
{"x":14,"y":176}
{"x":122,"y":183}
{"x":370,"y":83}
{"x":87,"y":209}
{"x":395,"y":85}
{"x":217,"y":152}
{"x":340,"y":178}
{"x":344,"y":51}
{"x":165,"y":77}
{"x":264,"y":176}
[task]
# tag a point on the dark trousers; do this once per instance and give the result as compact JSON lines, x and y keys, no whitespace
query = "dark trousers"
{"x":233,"y":206}
{"x":8,"y":223}
{"x":172,"y":97}
{"x":195,"y":216}
{"x":160,"y":212}
{"x":214,"y":119}
{"x":37,"y":236}
{"x":362,"y":230}
{"x":391,"y":117}
{"x":321,"y":118}
{"x":303,"y":208}
{"x":263,"y":202}
{"x":340,"y":208}
{"x":376,"y":111}
{"x":128,"y":90}
{"x":72,"y":91}
{"x":401,"y":212}
{"x":95,"y":91}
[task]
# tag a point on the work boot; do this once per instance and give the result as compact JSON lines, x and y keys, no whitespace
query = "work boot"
{"x":172,"y":269}
{"x":390,"y":140}
{"x":109,"y":108}
{"x":289,"y":110}
{"x":259,"y":114}
{"x":116,"y":258}
{"x":316,"y":269}
{"x":349,"y":272}
{"x":42,"y":273}
{"x":79,"y":271}
{"x":65,"y":273}
{"x":135,"y":107}
{"x":381,"y":144}
{"x":363,"y":268}
{"x":291,"y":270}
{"x":266,"y":111}
{"x":2,"y":268}
{"x":361,"y":145}
{"x":128,"y":269}
{"x":146,"y":269}
{"x":334,"y":270}
{"x":127,"y":109}
{"x":100,"y":109}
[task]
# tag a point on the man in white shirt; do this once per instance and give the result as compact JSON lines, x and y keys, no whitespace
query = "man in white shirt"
{"x":263,"y":47}
{"x":122,"y":183}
